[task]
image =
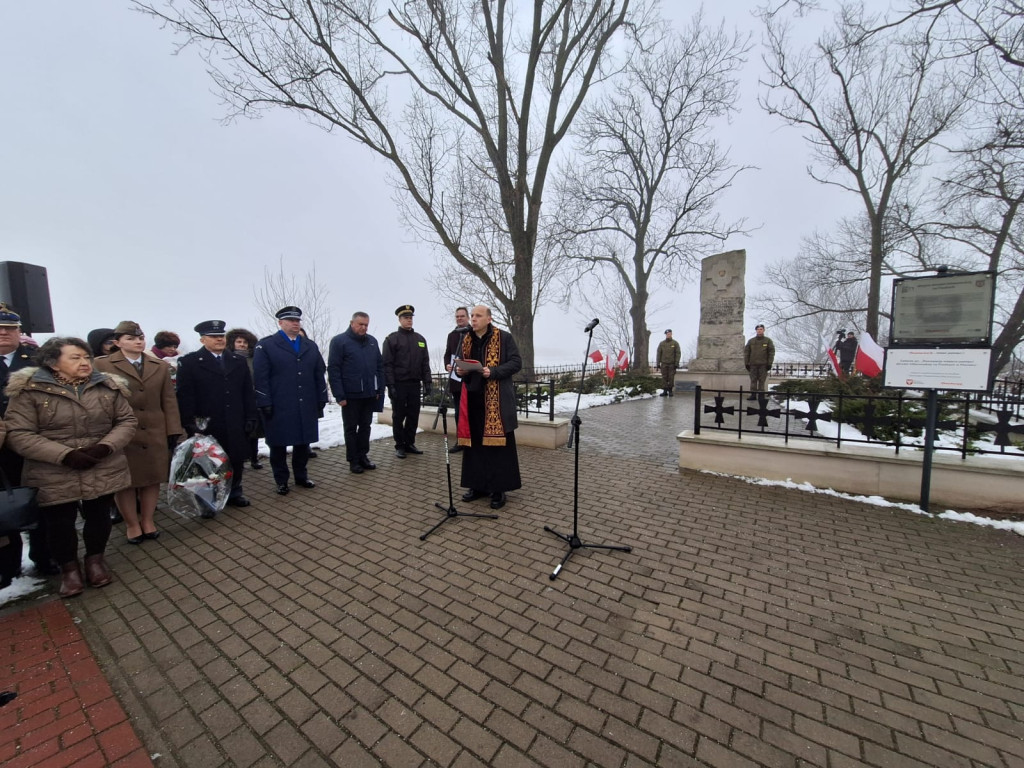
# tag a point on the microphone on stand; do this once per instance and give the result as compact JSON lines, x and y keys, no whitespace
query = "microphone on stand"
{"x":591,"y":325}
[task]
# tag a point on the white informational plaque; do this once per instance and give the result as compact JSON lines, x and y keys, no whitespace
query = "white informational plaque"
{"x":965,"y":369}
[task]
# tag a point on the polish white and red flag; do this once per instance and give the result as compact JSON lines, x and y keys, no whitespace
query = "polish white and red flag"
{"x":609,"y":365}
{"x":622,"y":360}
{"x":596,"y":356}
{"x":870,"y":356}
{"x":831,"y":351}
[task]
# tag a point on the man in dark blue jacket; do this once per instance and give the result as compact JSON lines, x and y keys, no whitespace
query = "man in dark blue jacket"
{"x":13,"y":357}
{"x":355,"y":372}
{"x":291,"y":392}
{"x":214,"y":383}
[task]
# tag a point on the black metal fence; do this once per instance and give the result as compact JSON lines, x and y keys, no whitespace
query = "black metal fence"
{"x":533,"y":395}
{"x":892,"y":420}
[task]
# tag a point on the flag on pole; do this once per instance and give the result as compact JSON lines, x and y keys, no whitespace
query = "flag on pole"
{"x":596,"y":356}
{"x":609,"y":366}
{"x":870,"y":356}
{"x":831,"y":351}
{"x":622,"y":361}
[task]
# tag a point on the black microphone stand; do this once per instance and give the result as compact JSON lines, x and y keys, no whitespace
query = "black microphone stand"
{"x":573,"y":539}
{"x":442,"y":413}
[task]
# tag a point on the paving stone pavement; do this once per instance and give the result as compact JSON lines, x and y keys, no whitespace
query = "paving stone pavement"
{"x":749,"y":626}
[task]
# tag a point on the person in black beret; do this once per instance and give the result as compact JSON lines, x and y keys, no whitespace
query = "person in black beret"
{"x":406,"y":367}
{"x":290,"y":376}
{"x":215,"y":383}
{"x":14,"y":355}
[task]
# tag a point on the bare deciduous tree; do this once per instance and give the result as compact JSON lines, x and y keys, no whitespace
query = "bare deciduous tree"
{"x":484,"y":93}
{"x":640,"y":200}
{"x":872,"y":107}
{"x":284,"y":289}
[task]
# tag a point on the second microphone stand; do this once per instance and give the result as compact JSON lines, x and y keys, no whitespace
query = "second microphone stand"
{"x":450,"y":511}
{"x":573,"y":539}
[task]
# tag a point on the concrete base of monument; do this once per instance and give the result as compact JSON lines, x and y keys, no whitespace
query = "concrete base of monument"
{"x":687,"y":380}
{"x":534,"y":430}
{"x":977,"y":482}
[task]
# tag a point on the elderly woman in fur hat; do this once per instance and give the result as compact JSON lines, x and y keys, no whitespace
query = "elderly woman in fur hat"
{"x":71,"y":424}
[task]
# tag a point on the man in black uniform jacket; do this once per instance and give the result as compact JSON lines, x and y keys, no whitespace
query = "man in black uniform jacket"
{"x":406,"y":366}
{"x":215,"y":383}
{"x":452,"y":349}
{"x":13,"y":356}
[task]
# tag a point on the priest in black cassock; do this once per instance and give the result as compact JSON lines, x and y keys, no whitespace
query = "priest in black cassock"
{"x":487,"y":410}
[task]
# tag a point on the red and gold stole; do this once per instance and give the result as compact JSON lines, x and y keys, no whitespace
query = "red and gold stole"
{"x":494,"y":431}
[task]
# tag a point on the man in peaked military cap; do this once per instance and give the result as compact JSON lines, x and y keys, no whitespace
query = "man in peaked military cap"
{"x":215,"y":383}
{"x":291,"y":391}
{"x":13,"y":356}
{"x":406,"y":366}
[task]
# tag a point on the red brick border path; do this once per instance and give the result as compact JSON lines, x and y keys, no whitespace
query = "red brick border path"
{"x":65,"y":714}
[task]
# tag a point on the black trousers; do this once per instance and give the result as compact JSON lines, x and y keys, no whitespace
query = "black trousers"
{"x":60,"y":527}
{"x":357,"y":416}
{"x":405,"y":412}
{"x":279,"y":463}
{"x":38,"y":549}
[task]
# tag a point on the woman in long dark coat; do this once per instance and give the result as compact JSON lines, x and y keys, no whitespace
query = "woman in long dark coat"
{"x":242,"y":342}
{"x":155,"y":406}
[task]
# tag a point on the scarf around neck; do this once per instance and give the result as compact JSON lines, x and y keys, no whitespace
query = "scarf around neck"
{"x":494,"y":431}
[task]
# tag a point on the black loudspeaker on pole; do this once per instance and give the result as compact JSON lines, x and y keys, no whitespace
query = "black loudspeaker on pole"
{"x":25,"y":289}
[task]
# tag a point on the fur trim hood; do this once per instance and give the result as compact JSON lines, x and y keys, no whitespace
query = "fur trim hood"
{"x":23,"y":378}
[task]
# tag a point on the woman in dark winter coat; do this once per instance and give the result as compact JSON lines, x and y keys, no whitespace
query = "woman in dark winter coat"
{"x":101,"y":341}
{"x":155,"y":406}
{"x":71,"y":425}
{"x":242,"y":342}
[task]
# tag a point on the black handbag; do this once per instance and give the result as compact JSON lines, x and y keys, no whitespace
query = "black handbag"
{"x":18,"y":510}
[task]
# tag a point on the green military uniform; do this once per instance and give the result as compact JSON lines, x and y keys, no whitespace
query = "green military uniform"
{"x":758,"y":356}
{"x":667,"y":360}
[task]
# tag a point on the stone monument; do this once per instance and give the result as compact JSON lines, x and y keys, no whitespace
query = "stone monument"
{"x":720,"y":340}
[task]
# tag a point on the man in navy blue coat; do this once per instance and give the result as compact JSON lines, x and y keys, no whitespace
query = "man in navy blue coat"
{"x":291,"y":392}
{"x":215,"y":383}
{"x":355,"y":371}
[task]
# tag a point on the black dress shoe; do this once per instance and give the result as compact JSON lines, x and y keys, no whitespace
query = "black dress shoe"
{"x":472,"y":495}
{"x":365,"y":462}
{"x":498,"y":500}
{"x":664,"y":393}
{"x":283,"y":489}
{"x":455,"y":448}
{"x":135,"y":539}
{"x":413,"y":449}
{"x":305,"y":484}
{"x":256,"y":464}
{"x":400,"y":453}
{"x":238,"y":501}
{"x":152,"y":535}
{"x":207,"y":514}
{"x":355,"y":468}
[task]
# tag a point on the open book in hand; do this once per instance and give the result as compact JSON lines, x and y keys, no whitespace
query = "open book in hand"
{"x":467,"y":366}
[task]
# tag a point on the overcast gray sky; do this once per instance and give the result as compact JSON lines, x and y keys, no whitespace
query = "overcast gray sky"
{"x":119,"y":177}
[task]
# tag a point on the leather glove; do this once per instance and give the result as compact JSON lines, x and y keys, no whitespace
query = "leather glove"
{"x":428,"y":391}
{"x":79,"y":459}
{"x":172,"y":442}
{"x":250,"y":426}
{"x":267,"y":412}
{"x":98,"y":452}
{"x":190,"y":429}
